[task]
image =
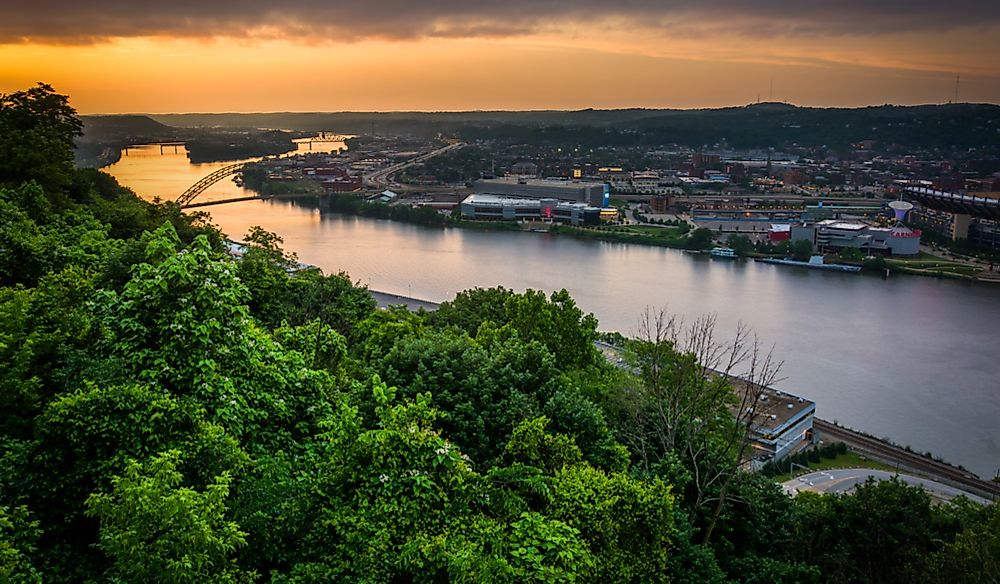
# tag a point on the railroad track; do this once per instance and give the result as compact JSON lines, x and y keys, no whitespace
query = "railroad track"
{"x":892,"y":454}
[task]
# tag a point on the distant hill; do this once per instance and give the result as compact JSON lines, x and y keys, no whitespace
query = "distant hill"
{"x":119,"y":127}
{"x":104,"y":136}
{"x":927,"y":127}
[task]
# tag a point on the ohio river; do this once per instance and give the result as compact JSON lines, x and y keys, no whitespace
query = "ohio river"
{"x":913,"y":359}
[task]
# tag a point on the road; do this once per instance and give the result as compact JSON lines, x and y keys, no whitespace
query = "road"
{"x":380,"y":177}
{"x":843,"y":480}
{"x":891,"y":454}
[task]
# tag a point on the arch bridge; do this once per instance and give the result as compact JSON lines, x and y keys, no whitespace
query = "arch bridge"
{"x":202,"y":185}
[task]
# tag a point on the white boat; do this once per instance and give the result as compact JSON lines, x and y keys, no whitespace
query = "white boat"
{"x":723,"y":252}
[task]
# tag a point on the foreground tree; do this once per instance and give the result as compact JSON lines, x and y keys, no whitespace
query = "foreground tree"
{"x":690,"y":416}
{"x":157,"y":530}
{"x":37,"y":129}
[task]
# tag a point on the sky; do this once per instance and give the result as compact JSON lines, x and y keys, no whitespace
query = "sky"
{"x":117,"y":56}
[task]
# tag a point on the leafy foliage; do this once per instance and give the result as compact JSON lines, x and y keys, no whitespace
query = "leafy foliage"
{"x":169,"y":413}
{"x":156,"y":530}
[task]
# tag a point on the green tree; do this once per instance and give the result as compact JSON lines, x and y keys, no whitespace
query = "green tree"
{"x":565,"y":330}
{"x":278,"y":296}
{"x":851,"y":254}
{"x":85,"y":438}
{"x":802,"y":249}
{"x":885,"y":531}
{"x":157,"y":530}
{"x":19,"y":534}
{"x":42,"y":330}
{"x":479,"y":396}
{"x":700,"y":238}
{"x":689,"y":416}
{"x":181,"y":324}
{"x":398,"y":502}
{"x":974,"y":555}
{"x":741,"y":244}
{"x":627,"y":523}
{"x":37,"y":129}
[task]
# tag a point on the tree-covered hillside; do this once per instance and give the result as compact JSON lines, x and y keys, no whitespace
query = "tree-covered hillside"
{"x":950,"y":127}
{"x":169,"y":413}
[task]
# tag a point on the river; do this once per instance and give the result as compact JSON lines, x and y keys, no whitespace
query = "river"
{"x":913,"y":359}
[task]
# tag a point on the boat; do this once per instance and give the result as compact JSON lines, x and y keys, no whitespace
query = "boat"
{"x":815,"y":262}
{"x":723,"y":252}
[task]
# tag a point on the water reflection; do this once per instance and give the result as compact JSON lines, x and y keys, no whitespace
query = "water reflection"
{"x":909,"y":358}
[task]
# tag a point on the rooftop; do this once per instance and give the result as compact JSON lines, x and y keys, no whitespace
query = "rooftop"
{"x":484,"y":199}
{"x":842,"y":225}
{"x":540,"y":182}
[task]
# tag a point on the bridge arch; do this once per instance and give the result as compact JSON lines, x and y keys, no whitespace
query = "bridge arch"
{"x":202,"y":185}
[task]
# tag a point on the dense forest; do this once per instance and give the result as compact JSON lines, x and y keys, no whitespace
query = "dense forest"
{"x":170,"y":413}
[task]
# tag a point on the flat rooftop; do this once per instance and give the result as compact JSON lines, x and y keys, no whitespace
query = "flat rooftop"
{"x":539,"y":182}
{"x":774,"y":410}
{"x":486,"y":199}
{"x":843,"y":225}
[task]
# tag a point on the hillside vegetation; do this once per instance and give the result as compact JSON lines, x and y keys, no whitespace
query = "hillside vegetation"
{"x":169,"y":413}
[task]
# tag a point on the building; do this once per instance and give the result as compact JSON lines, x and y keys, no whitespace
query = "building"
{"x":660,"y":203}
{"x":779,"y":232}
{"x":493,"y":207}
{"x":834,"y":234}
{"x":524,"y":168}
{"x":342,"y":185}
{"x":780,"y":424}
{"x":385,"y":196}
{"x":591,"y":193}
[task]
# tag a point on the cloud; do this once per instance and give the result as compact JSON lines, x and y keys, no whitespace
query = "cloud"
{"x":74,"y":21}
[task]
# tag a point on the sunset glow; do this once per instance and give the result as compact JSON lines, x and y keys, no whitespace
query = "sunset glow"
{"x":440,"y":58}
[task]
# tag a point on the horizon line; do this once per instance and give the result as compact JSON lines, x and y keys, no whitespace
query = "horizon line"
{"x":547,"y":110}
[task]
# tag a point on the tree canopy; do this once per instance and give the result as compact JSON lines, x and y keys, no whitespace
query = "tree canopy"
{"x":172,"y":413}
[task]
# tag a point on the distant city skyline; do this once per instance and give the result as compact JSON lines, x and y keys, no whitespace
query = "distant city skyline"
{"x":436,"y":55}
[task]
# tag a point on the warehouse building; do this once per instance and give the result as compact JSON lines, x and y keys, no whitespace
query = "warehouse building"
{"x":492,"y":207}
{"x":590,"y":193}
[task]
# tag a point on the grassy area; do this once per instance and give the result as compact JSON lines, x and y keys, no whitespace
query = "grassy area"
{"x":659,"y":236}
{"x":935,"y":267}
{"x":652,"y":230}
{"x":926,"y":264}
{"x":848,"y":460}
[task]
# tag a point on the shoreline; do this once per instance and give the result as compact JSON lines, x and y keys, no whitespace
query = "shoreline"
{"x":879,"y":449}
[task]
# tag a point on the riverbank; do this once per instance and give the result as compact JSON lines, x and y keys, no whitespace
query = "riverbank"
{"x":888,"y":455}
{"x":671,"y":236}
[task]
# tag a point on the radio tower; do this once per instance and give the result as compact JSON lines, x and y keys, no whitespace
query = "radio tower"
{"x":957,"y":78}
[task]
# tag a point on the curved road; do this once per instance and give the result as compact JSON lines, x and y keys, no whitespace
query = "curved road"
{"x":842,"y":480}
{"x":380,"y":178}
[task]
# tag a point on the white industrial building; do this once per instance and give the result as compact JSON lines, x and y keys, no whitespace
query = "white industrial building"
{"x":591,"y":193}
{"x":493,"y":207}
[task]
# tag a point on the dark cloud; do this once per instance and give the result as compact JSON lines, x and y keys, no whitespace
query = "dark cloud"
{"x":78,"y":21}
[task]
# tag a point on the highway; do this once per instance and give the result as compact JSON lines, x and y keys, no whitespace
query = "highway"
{"x":843,"y":480}
{"x":380,"y":178}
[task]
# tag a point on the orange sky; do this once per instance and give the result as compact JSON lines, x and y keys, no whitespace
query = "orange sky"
{"x":609,"y":62}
